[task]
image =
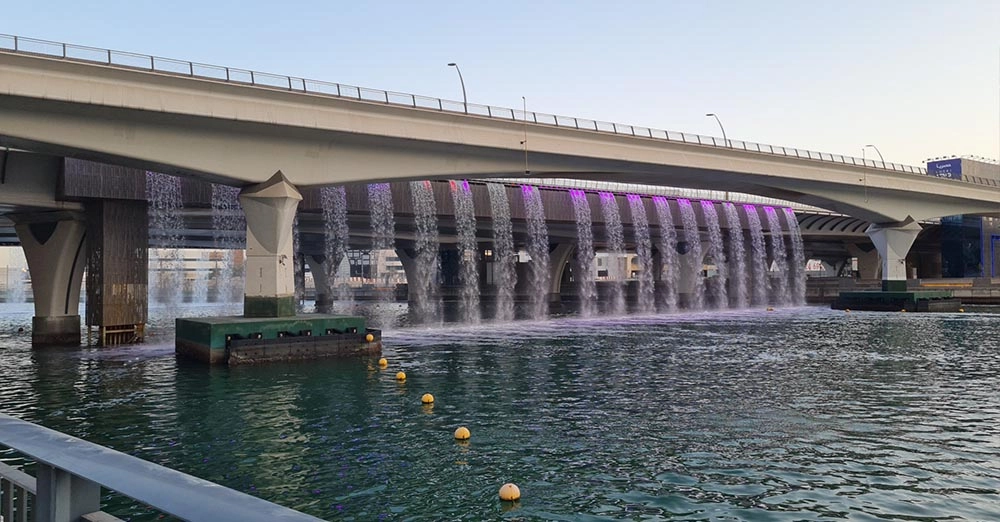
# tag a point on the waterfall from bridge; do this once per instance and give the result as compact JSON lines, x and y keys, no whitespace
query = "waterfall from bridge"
{"x":616,"y":253}
{"x":17,"y":282}
{"x":798,"y":269}
{"x":166,"y":260}
{"x":646,"y":302}
{"x":383,"y":226}
{"x":298,"y":273}
{"x":586,"y":285}
{"x":737,"y":258}
{"x":693,"y":256}
{"x":667,"y":246}
{"x":504,"y":256}
{"x":779,"y":281}
{"x":229,"y":228}
{"x":716,"y":251}
{"x":468,"y":251}
{"x":333,"y":201}
{"x":425,"y":286}
{"x":538,"y":250}
{"x":758,"y":257}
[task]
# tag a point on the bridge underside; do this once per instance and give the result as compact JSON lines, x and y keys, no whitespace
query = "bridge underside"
{"x":828,"y":237}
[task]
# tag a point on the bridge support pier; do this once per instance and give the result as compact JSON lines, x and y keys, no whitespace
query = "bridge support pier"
{"x":868,"y":260}
{"x":55,"y":246}
{"x":559,"y":257}
{"x":270,"y":267}
{"x":893,"y":242}
{"x":323,"y":281}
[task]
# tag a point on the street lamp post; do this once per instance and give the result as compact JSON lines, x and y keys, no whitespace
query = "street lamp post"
{"x":879,"y":153}
{"x":717,"y":120}
{"x":465,"y":99}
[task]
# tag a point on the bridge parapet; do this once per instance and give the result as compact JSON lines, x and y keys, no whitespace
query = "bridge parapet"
{"x":202,"y":71}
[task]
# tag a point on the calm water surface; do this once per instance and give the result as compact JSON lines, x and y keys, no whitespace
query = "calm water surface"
{"x":799,"y":414}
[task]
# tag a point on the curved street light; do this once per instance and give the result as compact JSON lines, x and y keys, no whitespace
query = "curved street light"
{"x":717,"y":120}
{"x":876,"y":150}
{"x":465,"y":99}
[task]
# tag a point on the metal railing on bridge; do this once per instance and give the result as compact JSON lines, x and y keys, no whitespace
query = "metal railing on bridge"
{"x":124,"y":59}
{"x":70,"y":472}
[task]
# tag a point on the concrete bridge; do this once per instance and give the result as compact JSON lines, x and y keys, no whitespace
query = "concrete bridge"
{"x":240,"y":127}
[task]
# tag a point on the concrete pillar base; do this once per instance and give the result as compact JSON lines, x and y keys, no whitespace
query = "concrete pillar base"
{"x":59,"y":330}
{"x":893,"y":286}
{"x":893,"y":242}
{"x":259,"y":306}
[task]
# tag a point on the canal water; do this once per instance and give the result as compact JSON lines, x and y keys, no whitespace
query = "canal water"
{"x":797,"y":414}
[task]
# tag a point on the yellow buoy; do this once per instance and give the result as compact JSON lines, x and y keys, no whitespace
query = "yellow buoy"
{"x":961,"y":310}
{"x":401,"y":376}
{"x":770,"y":309}
{"x":427,"y":398}
{"x":462,"y":433}
{"x":509,"y":492}
{"x":369,"y":337}
{"x":847,"y":310}
{"x":902,"y":310}
{"x":382,"y":363}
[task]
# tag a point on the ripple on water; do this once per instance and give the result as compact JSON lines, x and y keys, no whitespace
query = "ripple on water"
{"x":800,"y":414}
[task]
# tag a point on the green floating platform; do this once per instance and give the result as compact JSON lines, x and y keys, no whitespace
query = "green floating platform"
{"x":251,"y":340}
{"x":895,"y":301}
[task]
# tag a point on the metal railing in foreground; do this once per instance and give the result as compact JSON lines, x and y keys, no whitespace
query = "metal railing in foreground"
{"x":124,"y":59}
{"x":71,"y":472}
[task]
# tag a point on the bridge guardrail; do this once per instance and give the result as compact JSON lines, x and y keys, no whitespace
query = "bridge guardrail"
{"x":95,"y":55}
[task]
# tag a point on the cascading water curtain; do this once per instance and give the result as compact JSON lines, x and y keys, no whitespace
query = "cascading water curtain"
{"x":336,"y":233}
{"x":538,"y":250}
{"x":716,"y":251}
{"x":229,"y":229}
{"x":504,"y":257}
{"x":468,"y":251}
{"x":778,"y":254}
{"x":646,"y":300}
{"x":425,"y":294}
{"x":586,"y":285}
{"x":383,"y":226}
{"x":737,"y":258}
{"x":758,"y":257}
{"x":667,"y":245}
{"x":616,"y":253}
{"x":798,"y":271}
{"x":693,"y":256}
{"x":163,"y":192}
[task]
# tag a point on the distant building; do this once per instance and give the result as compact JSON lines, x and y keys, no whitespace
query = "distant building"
{"x":970,"y":245}
{"x":14,"y":277}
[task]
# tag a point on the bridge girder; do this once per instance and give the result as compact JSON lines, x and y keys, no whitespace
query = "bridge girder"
{"x":241,"y":135}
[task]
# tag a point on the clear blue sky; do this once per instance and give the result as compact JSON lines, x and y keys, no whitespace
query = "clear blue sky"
{"x":918,"y":78}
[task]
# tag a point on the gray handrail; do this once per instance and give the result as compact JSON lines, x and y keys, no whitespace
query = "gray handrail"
{"x":17,"y":477}
{"x":108,"y":57}
{"x":170,"y":491}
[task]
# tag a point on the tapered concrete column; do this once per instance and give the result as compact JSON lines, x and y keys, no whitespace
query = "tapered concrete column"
{"x":322,"y":279}
{"x":868,"y":260}
{"x":893,"y":242}
{"x":686,"y":283}
{"x":270,"y":269}
{"x":558,"y":259}
{"x":55,"y":246}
